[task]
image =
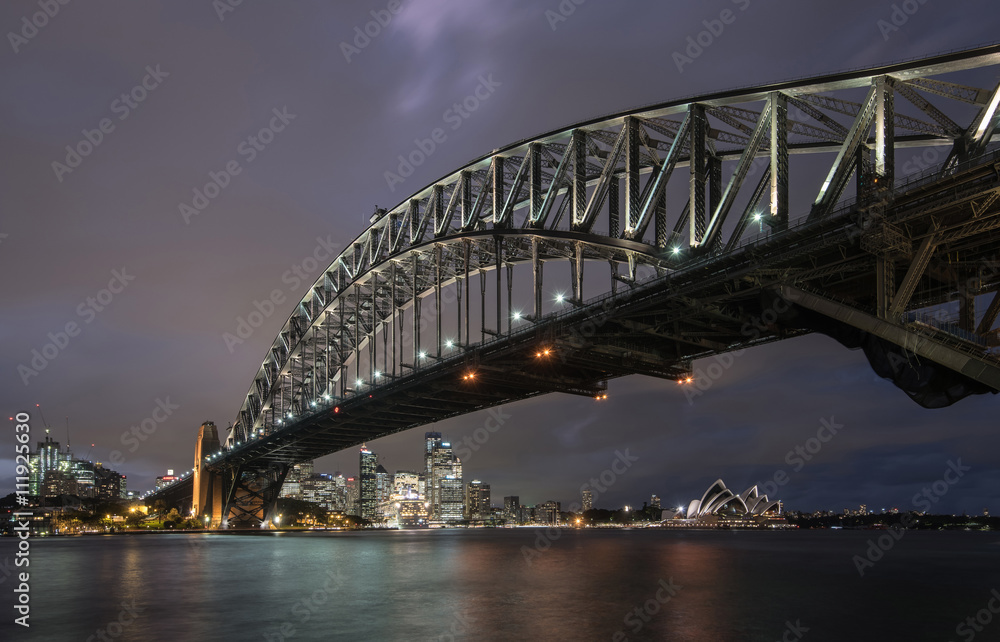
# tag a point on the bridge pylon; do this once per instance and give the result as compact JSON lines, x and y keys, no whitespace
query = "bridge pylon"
{"x":208,"y":491}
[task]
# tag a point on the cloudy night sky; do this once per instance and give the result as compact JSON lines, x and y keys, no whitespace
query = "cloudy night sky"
{"x":66,"y":233}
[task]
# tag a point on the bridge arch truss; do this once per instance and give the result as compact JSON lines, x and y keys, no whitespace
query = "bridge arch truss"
{"x":607,"y":205}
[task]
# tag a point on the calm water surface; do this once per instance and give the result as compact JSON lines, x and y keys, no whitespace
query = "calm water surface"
{"x":477,"y":585}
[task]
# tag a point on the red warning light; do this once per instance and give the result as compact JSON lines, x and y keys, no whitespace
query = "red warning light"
{"x":336,"y":409}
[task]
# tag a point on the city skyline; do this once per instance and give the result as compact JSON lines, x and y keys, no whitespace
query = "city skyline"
{"x":147,"y":356}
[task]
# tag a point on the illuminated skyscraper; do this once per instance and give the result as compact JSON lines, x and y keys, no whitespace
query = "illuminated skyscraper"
{"x":431,"y":441}
{"x":452,"y":499}
{"x":588,"y":499}
{"x":442,"y":461}
{"x":45,"y":458}
{"x":512,"y":509}
{"x":322,"y":489}
{"x":368,"y":499}
{"x":293,"y":481}
{"x":351,"y":496}
{"x":547,"y":513}
{"x":403,"y":481}
{"x":477,"y":500}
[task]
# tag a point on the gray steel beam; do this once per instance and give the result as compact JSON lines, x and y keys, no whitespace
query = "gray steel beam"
{"x":778,"y":103}
{"x":696,"y":218}
{"x":918,"y":265}
{"x":990,"y":316}
{"x":845,"y":163}
{"x":975,"y":368}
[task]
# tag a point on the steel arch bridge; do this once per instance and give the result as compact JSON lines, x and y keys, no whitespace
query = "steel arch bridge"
{"x":638,"y":243}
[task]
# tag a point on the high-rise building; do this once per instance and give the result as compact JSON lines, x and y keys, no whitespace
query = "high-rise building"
{"x":83,"y":475}
{"x":477,"y":500}
{"x":369,"y":484}
{"x":654,"y":501}
{"x":58,"y":483}
{"x":511,"y":509}
{"x":547,"y":513}
{"x":293,"y":480}
{"x":322,"y":489}
{"x":55,"y":472}
{"x":404,"y":481}
{"x":431,"y":441}
{"x":351,"y":496}
{"x":383,"y":492}
{"x":452,"y":498}
{"x":45,"y":458}
{"x":442,"y":465}
{"x":588,"y":499}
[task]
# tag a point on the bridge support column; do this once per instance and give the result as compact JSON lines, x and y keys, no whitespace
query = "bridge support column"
{"x":206,"y":495}
{"x":251,"y":495}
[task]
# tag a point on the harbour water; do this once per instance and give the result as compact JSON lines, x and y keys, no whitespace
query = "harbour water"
{"x":513,"y":584}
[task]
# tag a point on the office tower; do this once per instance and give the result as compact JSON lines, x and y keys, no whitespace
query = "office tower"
{"x":452,"y":498}
{"x":654,"y":501}
{"x":431,"y":441}
{"x":442,"y":460}
{"x":588,"y":499}
{"x":45,"y":458}
{"x":322,"y":489}
{"x":368,"y":497}
{"x":547,"y":513}
{"x":82,"y":473}
{"x":477,"y":500}
{"x":383,"y":492}
{"x":351,"y":496}
{"x":511,"y":509}
{"x":293,"y":480}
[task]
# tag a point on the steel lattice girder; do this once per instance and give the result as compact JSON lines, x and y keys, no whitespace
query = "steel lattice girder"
{"x":544,"y":197}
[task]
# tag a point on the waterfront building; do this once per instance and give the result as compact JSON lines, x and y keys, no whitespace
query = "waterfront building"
{"x":369,"y":496}
{"x":477,"y":500}
{"x":444,"y":466}
{"x":293,"y":480}
{"x":108,"y":484}
{"x":720,"y":507}
{"x":547,"y":513}
{"x":351,"y":496}
{"x":322,"y":489}
{"x":511,"y":509}
{"x":452,"y":499}
{"x":432,"y":440}
{"x":45,"y":458}
{"x":588,"y":499}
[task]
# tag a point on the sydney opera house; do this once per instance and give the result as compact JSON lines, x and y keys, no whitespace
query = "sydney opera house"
{"x":720,"y":507}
